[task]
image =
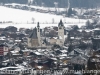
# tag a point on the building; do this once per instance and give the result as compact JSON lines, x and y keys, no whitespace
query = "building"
{"x":3,"y":50}
{"x":59,"y":40}
{"x":34,"y":39}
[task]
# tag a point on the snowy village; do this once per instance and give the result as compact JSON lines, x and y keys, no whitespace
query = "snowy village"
{"x":42,"y":40}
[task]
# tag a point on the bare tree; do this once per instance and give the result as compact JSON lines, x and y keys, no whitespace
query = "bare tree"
{"x":30,"y":2}
{"x":56,"y":6}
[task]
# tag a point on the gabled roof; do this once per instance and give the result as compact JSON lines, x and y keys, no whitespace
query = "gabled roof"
{"x":2,"y":45}
{"x":78,"y":60}
{"x":33,"y":34}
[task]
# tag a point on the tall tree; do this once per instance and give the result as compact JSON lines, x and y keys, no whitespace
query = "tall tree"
{"x":69,"y":13}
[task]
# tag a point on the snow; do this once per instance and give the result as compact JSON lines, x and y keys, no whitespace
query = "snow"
{"x":14,"y":51}
{"x":34,"y":25}
{"x":21,"y":18}
{"x":63,"y":55}
{"x":40,"y":67}
{"x":37,"y":53}
{"x":36,"y":7}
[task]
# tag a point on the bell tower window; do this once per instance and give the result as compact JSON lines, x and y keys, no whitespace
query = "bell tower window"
{"x":38,"y":29}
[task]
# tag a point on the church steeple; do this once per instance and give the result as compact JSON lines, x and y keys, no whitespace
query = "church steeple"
{"x":61,"y":31}
{"x":61,"y":23}
{"x":38,"y":25}
{"x":38,"y":33}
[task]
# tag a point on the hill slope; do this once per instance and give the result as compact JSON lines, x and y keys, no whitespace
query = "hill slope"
{"x":61,"y":3}
{"x":22,"y":16}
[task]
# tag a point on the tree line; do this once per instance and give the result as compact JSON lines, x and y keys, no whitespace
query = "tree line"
{"x":61,"y":3}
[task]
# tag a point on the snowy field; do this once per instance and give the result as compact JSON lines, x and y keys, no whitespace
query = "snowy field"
{"x":24,"y":18}
{"x":34,"y":25}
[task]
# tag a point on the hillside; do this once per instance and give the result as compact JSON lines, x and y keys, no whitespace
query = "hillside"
{"x":23,"y":18}
{"x":61,"y":3}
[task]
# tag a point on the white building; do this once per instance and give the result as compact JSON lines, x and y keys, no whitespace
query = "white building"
{"x":60,"y":39}
{"x":3,"y":50}
{"x":34,"y":39}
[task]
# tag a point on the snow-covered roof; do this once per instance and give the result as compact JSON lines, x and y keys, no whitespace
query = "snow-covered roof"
{"x":96,"y":29}
{"x":14,"y":52}
{"x":37,"y":53}
{"x":59,"y":37}
{"x":11,"y":67}
{"x":63,"y":55}
{"x":54,"y":58}
{"x":63,"y":50}
{"x":17,"y":40}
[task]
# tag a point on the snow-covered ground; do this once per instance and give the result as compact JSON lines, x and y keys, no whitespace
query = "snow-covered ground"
{"x":35,"y":7}
{"x":22,"y":17}
{"x":34,"y":25}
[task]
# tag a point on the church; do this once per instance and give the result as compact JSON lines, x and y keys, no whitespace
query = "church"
{"x":35,"y":41}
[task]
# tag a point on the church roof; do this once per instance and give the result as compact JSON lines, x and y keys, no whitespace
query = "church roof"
{"x":33,"y":34}
{"x":60,"y":23}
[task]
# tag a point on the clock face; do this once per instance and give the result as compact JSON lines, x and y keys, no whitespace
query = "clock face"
{"x":60,"y":27}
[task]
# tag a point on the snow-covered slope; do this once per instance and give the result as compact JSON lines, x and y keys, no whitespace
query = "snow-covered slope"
{"x":34,"y":25}
{"x":22,"y":18}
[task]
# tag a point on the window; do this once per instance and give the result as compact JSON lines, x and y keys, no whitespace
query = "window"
{"x":38,"y":29}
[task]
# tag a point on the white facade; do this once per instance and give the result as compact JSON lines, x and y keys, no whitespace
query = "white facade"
{"x":35,"y":40}
{"x":5,"y":50}
{"x":38,"y":34}
{"x":61,"y":33}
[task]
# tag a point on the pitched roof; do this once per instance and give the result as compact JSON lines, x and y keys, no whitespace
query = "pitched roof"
{"x":2,"y":45}
{"x":33,"y":34}
{"x":78,"y":60}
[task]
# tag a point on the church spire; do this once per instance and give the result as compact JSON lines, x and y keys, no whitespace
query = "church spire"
{"x":38,"y":25}
{"x":60,"y":23}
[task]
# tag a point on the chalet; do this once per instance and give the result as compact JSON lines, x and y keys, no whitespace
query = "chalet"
{"x":3,"y":50}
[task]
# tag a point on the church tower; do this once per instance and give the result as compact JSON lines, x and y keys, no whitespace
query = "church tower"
{"x":38,"y":34}
{"x":61,"y":31}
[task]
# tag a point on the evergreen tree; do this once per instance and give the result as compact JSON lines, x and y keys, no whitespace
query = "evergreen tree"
{"x":69,"y":13}
{"x":62,"y":3}
{"x":70,"y":48}
{"x":88,"y":24}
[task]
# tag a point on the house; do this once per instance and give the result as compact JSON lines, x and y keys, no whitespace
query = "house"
{"x":35,"y":40}
{"x":3,"y":50}
{"x":53,"y":40}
